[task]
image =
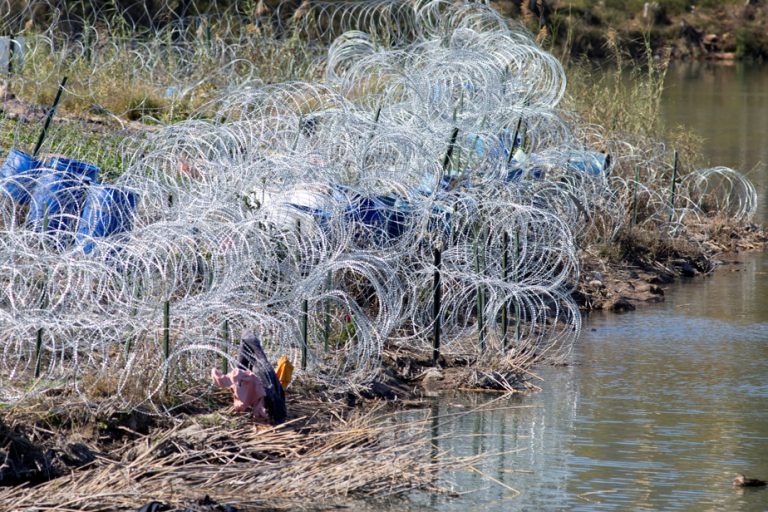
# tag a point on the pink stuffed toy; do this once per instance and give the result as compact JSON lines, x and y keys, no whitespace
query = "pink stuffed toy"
{"x":247,"y":391}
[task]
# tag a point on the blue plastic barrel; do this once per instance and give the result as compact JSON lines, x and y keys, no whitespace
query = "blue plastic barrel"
{"x":20,"y":171}
{"x":385,"y":215}
{"x":395,"y":211}
{"x":83,"y":169}
{"x":590,"y":162}
{"x":107,"y":211}
{"x":59,"y":196}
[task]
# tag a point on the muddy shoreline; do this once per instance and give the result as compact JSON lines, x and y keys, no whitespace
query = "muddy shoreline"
{"x":56,"y":438}
{"x":637,"y":278}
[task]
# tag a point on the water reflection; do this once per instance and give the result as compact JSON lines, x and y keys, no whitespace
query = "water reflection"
{"x":659,"y":410}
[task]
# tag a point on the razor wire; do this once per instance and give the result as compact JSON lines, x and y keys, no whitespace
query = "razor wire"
{"x":721,"y":190}
{"x":310,"y":211}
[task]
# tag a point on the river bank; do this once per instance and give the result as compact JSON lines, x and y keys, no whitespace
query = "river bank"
{"x":684,"y":30}
{"x":204,"y":458}
{"x":338,"y":443}
{"x":643,"y":264}
{"x":301,"y":210}
{"x":659,"y":410}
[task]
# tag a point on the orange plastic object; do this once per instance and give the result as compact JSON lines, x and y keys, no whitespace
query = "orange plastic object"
{"x":284,"y":371}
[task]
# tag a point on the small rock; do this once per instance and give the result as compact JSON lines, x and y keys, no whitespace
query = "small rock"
{"x":433,"y":374}
{"x":379,"y":390}
{"x":728,"y":56}
{"x":687,"y":270}
{"x":431,"y":380}
{"x":661,"y":278}
{"x":620,"y":305}
{"x":387,"y":386}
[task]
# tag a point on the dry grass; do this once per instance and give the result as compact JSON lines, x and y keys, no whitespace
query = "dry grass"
{"x":154,"y":83}
{"x":365,"y":455}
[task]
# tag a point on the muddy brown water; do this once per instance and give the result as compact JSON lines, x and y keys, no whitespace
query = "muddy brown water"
{"x":661,"y":406}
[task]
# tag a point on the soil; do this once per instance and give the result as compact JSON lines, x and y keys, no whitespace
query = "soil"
{"x":15,"y":109}
{"x":46,"y":440}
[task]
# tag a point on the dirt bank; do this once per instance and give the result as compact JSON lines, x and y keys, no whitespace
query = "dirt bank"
{"x":635,"y":269}
{"x":724,"y":31}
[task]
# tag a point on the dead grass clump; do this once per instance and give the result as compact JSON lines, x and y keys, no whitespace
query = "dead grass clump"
{"x":642,"y":246}
{"x":720,"y":235}
{"x":249,"y":466}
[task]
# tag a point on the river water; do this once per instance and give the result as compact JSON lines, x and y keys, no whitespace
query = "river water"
{"x":661,"y":407}
{"x":728,"y":107}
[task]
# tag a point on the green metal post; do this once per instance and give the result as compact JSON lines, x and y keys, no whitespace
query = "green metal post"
{"x":304,"y":337}
{"x":479,"y":304}
{"x":449,"y":151}
{"x":504,"y":275}
{"x":225,"y":337}
{"x":167,"y":329}
{"x":167,"y":336}
{"x":38,"y":352}
{"x":43,"y":305}
{"x":513,"y":146}
{"x":517,"y":303}
{"x":10,"y":54}
{"x":327,"y":312}
{"x":87,"y":44}
{"x":304,"y":319}
{"x":49,"y":118}
{"x":437,"y":298}
{"x":634,"y":196}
